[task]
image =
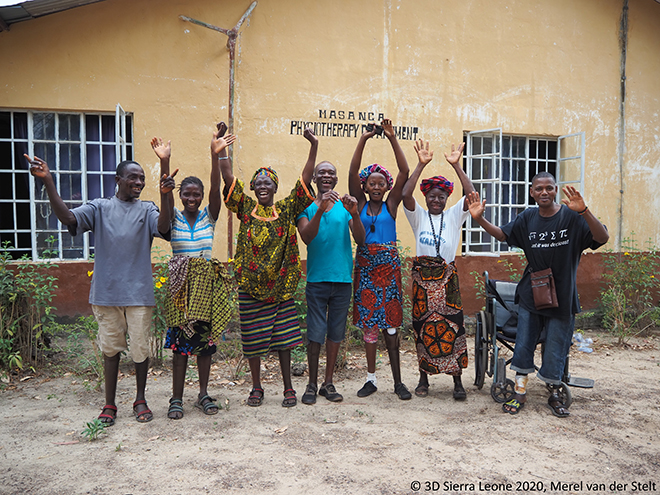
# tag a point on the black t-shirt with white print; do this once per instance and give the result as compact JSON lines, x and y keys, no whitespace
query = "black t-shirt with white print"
{"x":553,"y":242}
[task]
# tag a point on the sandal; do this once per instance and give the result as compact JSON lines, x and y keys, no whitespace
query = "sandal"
{"x":289,"y":400}
{"x":256,"y":397}
{"x":176,"y":409}
{"x":513,"y":406}
{"x":143,"y":416}
{"x":209,"y":407}
{"x":557,"y":406}
{"x":107,"y":419}
{"x":422,"y":390}
{"x":309,"y":397}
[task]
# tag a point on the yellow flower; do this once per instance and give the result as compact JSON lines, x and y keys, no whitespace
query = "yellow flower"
{"x":230,"y":260}
{"x":652,"y":276}
{"x":158,"y":285}
{"x":89,"y":274}
{"x":163,"y":279}
{"x":626,"y":254}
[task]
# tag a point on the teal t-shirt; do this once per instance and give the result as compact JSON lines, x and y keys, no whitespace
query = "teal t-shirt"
{"x":330,"y":254}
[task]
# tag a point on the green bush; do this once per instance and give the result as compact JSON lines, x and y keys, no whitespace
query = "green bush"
{"x":631,"y":289}
{"x":26,"y":311}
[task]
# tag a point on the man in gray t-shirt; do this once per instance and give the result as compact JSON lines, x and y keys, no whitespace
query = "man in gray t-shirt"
{"x":122,"y":295}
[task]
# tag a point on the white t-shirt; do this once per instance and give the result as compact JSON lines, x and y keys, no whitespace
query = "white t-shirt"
{"x":453,"y":218}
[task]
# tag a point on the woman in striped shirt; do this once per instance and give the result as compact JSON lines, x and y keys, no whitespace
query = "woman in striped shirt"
{"x":198,"y":301}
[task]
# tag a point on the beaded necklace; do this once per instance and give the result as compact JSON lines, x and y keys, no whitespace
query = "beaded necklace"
{"x":436,"y":240}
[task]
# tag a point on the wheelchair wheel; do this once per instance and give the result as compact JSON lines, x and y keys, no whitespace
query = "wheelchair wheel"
{"x":564,"y":392}
{"x":503,"y":392}
{"x":480,"y":350}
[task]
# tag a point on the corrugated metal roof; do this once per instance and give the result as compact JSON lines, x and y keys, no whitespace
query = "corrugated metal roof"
{"x":36,"y":8}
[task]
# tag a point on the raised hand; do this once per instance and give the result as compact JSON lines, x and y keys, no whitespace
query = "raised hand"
{"x":163,"y":151}
{"x":328,"y":198}
{"x":310,"y":136}
{"x":38,"y":167}
{"x":167,"y":183}
{"x":455,"y":155}
{"x":350,"y":203}
{"x":388,"y":128}
{"x":219,"y":143}
{"x":574,"y":200}
{"x":423,"y":153}
{"x":475,"y":206}
{"x":369,"y":134}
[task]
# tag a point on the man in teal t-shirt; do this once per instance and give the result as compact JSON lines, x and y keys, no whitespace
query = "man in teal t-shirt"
{"x":324,"y":227}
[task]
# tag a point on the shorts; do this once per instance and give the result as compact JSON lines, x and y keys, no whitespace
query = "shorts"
{"x":327,"y":310}
{"x":116,"y":322}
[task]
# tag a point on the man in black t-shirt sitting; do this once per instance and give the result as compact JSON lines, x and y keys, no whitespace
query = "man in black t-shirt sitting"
{"x":551,"y":236}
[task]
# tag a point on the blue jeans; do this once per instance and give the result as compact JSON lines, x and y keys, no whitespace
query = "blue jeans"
{"x":558,"y":342}
{"x":327,"y":310}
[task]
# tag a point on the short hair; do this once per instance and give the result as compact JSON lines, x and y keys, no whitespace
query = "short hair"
{"x":191,"y":180}
{"x":544,"y":175}
{"x":324,"y":162}
{"x":122,"y":166}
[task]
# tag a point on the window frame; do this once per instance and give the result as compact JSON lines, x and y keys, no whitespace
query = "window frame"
{"x":54,"y":144}
{"x":499,"y":187}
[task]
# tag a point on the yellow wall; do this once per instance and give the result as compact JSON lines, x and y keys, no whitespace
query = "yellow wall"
{"x":445,"y":67}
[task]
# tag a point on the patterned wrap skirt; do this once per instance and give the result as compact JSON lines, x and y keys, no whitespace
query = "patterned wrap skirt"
{"x":437,"y":316}
{"x":377,"y":286}
{"x":266,"y":326}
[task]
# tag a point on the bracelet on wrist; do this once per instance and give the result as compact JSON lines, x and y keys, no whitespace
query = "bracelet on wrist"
{"x":583,"y":211}
{"x":223,"y":158}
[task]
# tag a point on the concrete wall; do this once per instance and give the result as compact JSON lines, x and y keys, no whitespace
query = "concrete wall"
{"x":531,"y":67}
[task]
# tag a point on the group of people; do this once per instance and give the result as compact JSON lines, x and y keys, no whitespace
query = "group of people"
{"x":268,"y":269}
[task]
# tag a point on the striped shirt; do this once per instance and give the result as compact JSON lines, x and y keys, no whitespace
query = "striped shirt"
{"x":195,"y":241}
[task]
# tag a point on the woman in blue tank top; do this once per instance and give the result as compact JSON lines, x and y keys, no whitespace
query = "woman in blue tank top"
{"x":377,"y":284}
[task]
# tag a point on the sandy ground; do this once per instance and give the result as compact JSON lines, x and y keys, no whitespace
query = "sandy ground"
{"x":374,"y":445}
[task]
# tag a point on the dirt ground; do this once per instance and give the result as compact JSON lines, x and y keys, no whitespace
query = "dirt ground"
{"x":374,"y":445}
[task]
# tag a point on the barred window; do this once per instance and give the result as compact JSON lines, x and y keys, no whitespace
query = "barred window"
{"x":501,"y":167}
{"x":82,"y":150}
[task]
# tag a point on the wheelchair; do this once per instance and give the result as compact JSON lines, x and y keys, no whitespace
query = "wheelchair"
{"x":496,"y":328}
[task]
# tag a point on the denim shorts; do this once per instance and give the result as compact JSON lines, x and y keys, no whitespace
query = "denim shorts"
{"x":327,"y":310}
{"x":557,"y":344}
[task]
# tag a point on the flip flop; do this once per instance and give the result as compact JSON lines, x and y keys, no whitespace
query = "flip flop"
{"x":513,"y":406}
{"x":209,"y":407}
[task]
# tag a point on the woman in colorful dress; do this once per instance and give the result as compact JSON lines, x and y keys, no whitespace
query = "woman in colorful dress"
{"x":198,"y":302}
{"x":437,"y":308}
{"x":377,"y":285}
{"x":267,"y":266}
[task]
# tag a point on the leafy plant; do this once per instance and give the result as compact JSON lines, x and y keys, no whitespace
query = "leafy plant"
{"x":93,"y":429}
{"x":300,"y":300}
{"x":26,"y":311}
{"x":299,"y":354}
{"x":631,"y":290}
{"x":159,"y":318}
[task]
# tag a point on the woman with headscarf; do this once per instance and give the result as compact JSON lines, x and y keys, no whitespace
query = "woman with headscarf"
{"x":437,"y":307}
{"x":377,"y":284}
{"x":267,"y":266}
